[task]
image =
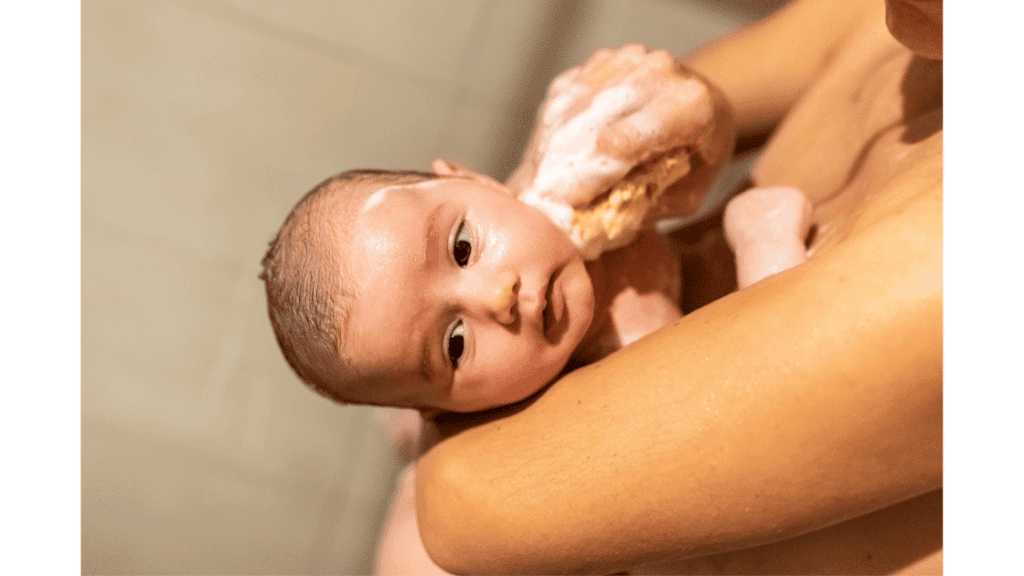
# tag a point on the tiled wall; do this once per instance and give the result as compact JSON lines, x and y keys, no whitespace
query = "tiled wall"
{"x":202,"y":123}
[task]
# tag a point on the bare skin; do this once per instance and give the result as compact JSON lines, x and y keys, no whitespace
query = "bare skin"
{"x":792,"y":427}
{"x":766,"y":229}
{"x":642,"y":279}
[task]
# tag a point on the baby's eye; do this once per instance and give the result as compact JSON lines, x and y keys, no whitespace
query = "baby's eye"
{"x":455,"y":343}
{"x":462,"y":246}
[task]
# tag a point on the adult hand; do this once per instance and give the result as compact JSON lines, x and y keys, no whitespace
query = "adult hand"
{"x":620,"y":109}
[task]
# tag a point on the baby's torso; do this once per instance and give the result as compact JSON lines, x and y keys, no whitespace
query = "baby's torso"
{"x":637,"y":291}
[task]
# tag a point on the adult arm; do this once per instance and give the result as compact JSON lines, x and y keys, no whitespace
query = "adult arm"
{"x":621,"y":110}
{"x":764,"y":68}
{"x":598,"y":120}
{"x":805,"y":400}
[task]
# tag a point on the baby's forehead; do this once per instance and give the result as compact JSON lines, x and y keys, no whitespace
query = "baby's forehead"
{"x":403,"y":209}
{"x":338,"y":212}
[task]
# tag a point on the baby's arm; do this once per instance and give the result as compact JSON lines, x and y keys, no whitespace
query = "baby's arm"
{"x":766,"y":229}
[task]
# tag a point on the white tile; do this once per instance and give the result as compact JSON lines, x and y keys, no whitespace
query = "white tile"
{"x":677,"y":26}
{"x":180,"y":350}
{"x":152,"y":507}
{"x":477,"y":135}
{"x":502,"y":58}
{"x":410,"y":38}
{"x":151,"y":323}
{"x":202,"y":134}
{"x":354,"y":518}
{"x":177,"y":354}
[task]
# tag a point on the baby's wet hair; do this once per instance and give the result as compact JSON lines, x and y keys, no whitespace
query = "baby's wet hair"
{"x":309,"y":298}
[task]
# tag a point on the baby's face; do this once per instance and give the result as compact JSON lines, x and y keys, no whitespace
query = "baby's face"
{"x":465,"y":298}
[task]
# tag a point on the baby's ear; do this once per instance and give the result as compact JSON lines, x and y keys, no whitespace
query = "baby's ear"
{"x":449,"y":168}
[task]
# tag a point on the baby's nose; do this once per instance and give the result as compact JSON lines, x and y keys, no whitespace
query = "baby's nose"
{"x":499,"y":295}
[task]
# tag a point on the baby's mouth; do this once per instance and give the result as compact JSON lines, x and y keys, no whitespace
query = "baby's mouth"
{"x":553,"y":324}
{"x":547,"y":316}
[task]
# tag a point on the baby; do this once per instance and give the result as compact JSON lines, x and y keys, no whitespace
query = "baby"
{"x":448,"y":292}
{"x":451,"y":292}
{"x":441,"y":292}
{"x":444,"y":292}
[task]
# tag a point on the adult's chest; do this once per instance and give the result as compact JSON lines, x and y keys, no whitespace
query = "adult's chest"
{"x":868,"y":118}
{"x":835,"y":134}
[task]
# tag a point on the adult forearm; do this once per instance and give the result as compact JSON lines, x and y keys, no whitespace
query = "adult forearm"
{"x":808,"y":399}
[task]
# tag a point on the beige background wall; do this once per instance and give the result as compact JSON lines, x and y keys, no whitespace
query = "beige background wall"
{"x":202,"y":123}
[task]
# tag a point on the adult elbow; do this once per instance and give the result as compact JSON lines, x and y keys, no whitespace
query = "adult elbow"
{"x":453,"y":518}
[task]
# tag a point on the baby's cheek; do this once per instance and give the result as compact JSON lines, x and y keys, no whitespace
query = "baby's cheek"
{"x":521,"y":377}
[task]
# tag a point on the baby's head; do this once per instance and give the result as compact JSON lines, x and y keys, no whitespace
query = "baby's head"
{"x":431,"y":291}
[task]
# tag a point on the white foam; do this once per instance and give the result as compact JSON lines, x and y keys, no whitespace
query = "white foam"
{"x":571,"y":152}
{"x":571,"y":159}
{"x":561,"y":100}
{"x":382,"y":194}
{"x":376,"y":198}
{"x":558,"y":212}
